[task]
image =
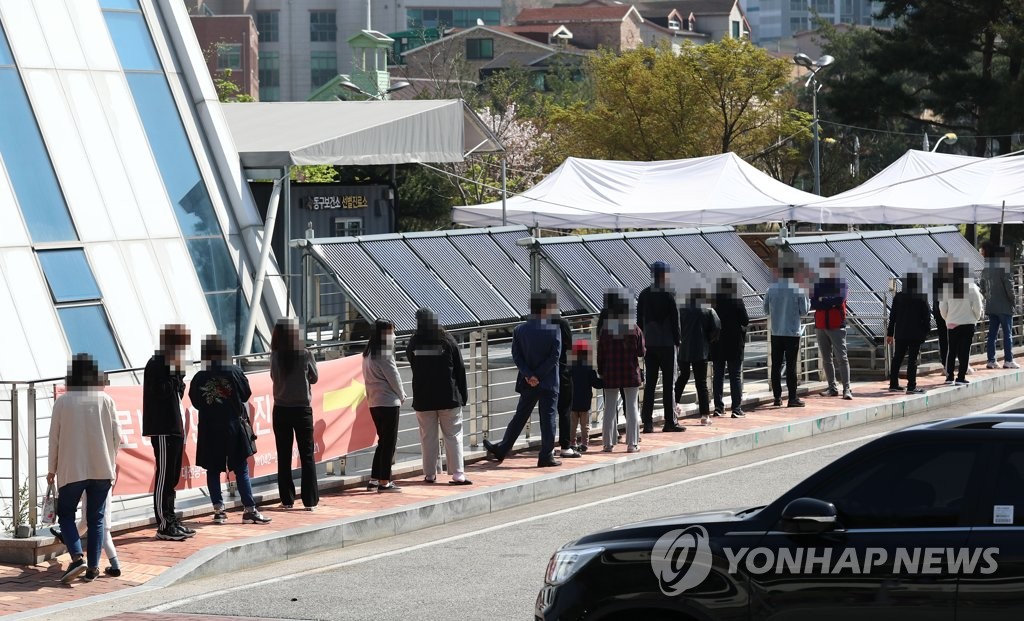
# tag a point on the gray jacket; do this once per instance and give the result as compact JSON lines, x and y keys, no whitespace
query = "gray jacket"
{"x":383,"y":382}
{"x":291,"y":385}
{"x":997,"y":286}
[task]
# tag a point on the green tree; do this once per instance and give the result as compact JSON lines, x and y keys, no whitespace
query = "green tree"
{"x":227,"y":90}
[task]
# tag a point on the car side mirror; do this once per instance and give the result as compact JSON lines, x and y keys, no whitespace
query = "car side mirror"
{"x":808,"y":516}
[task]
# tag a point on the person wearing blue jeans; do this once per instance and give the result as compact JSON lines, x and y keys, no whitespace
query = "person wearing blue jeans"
{"x":84,"y":440}
{"x":997,"y":287}
{"x":536,"y":346}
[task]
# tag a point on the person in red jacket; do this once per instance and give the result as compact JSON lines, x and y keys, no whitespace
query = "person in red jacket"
{"x":828,"y":300}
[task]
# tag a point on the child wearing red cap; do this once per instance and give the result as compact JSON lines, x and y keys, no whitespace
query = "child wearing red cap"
{"x":584,"y":380}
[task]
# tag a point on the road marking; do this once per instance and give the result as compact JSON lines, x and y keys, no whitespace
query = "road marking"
{"x":357,"y":561}
{"x":429,"y":544}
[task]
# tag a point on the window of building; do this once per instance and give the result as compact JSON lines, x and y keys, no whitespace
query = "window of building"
{"x":457,"y":18}
{"x":798,"y":5}
{"x":798,"y":24}
{"x":79,"y":306}
{"x":323,"y":26}
{"x":267,"y":25}
{"x":229,"y":56}
{"x":323,"y":66}
{"x":131,"y":5}
{"x":825,"y":6}
{"x":270,"y":76}
{"x":348,"y":227}
{"x":479,"y":49}
{"x":735,"y":30}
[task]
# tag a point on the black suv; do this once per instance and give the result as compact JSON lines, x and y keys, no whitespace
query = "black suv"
{"x":920,"y":524}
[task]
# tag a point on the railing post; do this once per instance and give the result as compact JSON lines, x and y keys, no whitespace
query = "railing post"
{"x":30,"y":433}
{"x":15,"y":456}
{"x":474,"y":366}
{"x":485,"y":371}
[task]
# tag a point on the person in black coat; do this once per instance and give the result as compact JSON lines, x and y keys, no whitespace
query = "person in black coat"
{"x":658,"y":318}
{"x":564,"y":403}
{"x":220,"y":392}
{"x":728,"y":349}
{"x":699,"y":326}
{"x":909,"y":324}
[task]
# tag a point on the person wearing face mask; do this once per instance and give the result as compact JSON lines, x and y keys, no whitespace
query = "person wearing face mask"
{"x":785,"y":304}
{"x":962,"y":306}
{"x":1000,"y":302}
{"x":564,"y":403}
{"x":909,"y":324}
{"x":163,"y":386}
{"x":699,"y":326}
{"x":384,"y":395}
{"x":658,"y":319}
{"x":828,"y":300}
{"x":620,"y":346}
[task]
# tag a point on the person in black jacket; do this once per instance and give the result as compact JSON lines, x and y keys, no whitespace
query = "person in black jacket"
{"x":728,"y":349}
{"x":220,"y":392}
{"x":943,"y":276}
{"x":438,"y":394}
{"x":699,"y":326}
{"x":584,"y":380}
{"x":564,"y":403}
{"x":909,"y":324}
{"x":658,"y":318}
{"x":163,"y":386}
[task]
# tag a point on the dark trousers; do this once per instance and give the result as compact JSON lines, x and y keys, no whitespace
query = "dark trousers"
{"x":784,"y":350}
{"x":565,"y":431}
{"x":528,"y":399}
{"x":910,"y":350}
{"x":735,"y":382}
{"x":168,"y":451}
{"x":940,"y":327}
{"x":385,"y":419}
{"x":95,"y":491}
{"x":295,"y":423}
{"x":700,"y":381}
{"x":663,"y":360}
{"x":960,"y":339}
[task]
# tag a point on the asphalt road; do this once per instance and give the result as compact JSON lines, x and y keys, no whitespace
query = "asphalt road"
{"x":491,"y":567}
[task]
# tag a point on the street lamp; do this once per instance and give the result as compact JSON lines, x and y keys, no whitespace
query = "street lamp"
{"x":348,"y":84}
{"x":949,"y":137}
{"x":814,"y":66}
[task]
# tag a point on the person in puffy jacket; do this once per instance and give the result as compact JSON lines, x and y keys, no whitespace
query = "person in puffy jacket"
{"x":699,"y":326}
{"x":962,"y":307}
{"x":438,"y":394}
{"x":220,"y":392}
{"x":909,"y":324}
{"x":828,"y":301}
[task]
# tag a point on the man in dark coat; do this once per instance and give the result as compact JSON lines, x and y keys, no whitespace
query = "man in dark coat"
{"x":909,"y":324}
{"x":564,"y":403}
{"x":658,"y":318}
{"x":699,"y":326}
{"x":728,"y":349}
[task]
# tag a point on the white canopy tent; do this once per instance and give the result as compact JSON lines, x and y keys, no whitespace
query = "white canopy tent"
{"x":929,"y":188}
{"x":582,"y":193}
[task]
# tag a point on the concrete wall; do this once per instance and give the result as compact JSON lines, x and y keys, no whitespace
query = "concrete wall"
{"x":239,"y":29}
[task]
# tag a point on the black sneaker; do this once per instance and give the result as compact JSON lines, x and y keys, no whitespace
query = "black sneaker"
{"x":389,"y":488}
{"x":738,"y":413}
{"x":113,"y":572}
{"x":185,"y":529}
{"x":171,"y":533}
{"x":74,"y":570}
{"x":220,"y":517}
{"x":961,"y":382}
{"x":718,"y":412}
{"x":795,"y":403}
{"x":778,"y":402}
{"x":253,"y":516}
{"x":916,"y":391}
{"x":55,"y":531}
{"x":895,"y":388}
{"x":372,"y":485}
{"x":831,"y":392}
{"x":91,"y":574}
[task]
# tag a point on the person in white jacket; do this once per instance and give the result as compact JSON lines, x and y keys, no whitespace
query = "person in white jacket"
{"x":962,"y":307}
{"x":84,"y":440}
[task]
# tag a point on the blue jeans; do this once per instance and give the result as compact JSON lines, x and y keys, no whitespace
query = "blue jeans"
{"x":529,"y":398}
{"x":994,"y":323}
{"x":69,"y":495}
{"x":241,"y":479}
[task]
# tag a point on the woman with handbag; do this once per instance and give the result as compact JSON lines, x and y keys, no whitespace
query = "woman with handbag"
{"x":292,"y":370}
{"x":84,"y":439}
{"x":384,"y":395}
{"x":220,"y":392}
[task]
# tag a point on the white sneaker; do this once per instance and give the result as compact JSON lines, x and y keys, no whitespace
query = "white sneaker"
{"x":970,"y":370}
{"x":1011,"y":365}
{"x":991,"y":365}
{"x":705,"y":420}
{"x":569,"y":453}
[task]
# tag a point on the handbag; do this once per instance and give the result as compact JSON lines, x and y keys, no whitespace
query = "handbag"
{"x":49,"y":512}
{"x":247,"y":432}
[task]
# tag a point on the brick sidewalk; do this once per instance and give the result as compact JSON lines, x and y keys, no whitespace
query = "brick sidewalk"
{"x":143,"y":557}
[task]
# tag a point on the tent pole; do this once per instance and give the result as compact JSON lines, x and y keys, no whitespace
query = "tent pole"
{"x":287,"y":249}
{"x":261,"y":268}
{"x":1002,"y":223}
{"x":504,"y":193}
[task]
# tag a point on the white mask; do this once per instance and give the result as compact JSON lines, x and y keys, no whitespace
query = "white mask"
{"x":389,"y":342}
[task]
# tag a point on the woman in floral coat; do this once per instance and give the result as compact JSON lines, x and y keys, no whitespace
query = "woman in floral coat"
{"x":220,"y":392}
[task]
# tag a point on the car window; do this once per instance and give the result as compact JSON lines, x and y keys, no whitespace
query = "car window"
{"x":1009,"y":489}
{"x":917,"y":486}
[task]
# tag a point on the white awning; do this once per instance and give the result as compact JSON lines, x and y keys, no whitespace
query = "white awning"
{"x":581,"y":193}
{"x":278,"y":134}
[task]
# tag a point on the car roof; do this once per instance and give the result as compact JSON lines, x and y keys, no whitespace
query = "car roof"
{"x":1013,"y":419}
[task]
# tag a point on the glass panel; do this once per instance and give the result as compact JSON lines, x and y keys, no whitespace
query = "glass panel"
{"x":5,"y":50}
{"x":230,"y":315}
{"x":213,"y":264}
{"x":88,"y":331}
{"x":132,"y":40}
{"x":28,"y":165}
{"x":267,"y":26}
{"x":323,"y":68}
{"x":173,"y":154}
{"x":229,"y":56}
{"x":68,"y":275}
{"x":322,"y":26}
{"x":132,"y":5}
